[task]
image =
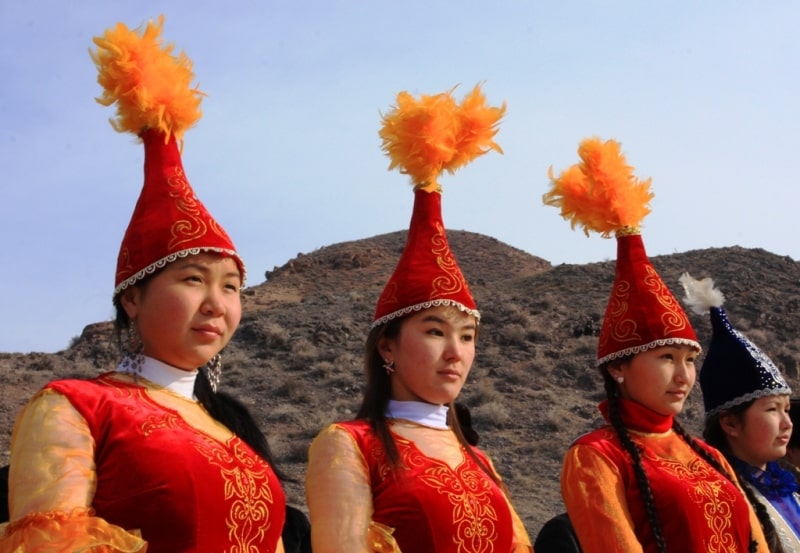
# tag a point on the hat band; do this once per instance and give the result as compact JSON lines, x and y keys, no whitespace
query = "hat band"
{"x":654,"y":344}
{"x":781,"y":391}
{"x":161,"y":263}
{"x":426,"y":305}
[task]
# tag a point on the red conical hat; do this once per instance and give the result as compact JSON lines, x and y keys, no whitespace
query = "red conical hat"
{"x":155,"y":101}
{"x":601,"y":194}
{"x":427,"y":274}
{"x":423,"y":138}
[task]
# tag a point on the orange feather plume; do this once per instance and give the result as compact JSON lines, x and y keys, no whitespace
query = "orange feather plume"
{"x":600,"y":193}
{"x":426,"y":136}
{"x":151,"y":86}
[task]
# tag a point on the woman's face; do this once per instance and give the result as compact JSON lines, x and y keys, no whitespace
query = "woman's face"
{"x":432,"y":355}
{"x":659,"y":378}
{"x":188,"y":311}
{"x":759,"y":434}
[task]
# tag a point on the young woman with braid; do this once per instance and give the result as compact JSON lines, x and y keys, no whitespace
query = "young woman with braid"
{"x":747,"y":403}
{"x":642,"y":483}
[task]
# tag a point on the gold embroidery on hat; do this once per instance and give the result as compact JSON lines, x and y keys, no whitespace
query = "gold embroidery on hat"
{"x":673,"y":318}
{"x":623,"y":329}
{"x":184,"y":230}
{"x":452,"y":281}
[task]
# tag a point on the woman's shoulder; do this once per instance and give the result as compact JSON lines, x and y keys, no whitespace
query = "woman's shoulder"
{"x":597,"y":437}
{"x":78,"y":385}
{"x":339,"y":429}
{"x":356,"y":424}
{"x":598,"y":445}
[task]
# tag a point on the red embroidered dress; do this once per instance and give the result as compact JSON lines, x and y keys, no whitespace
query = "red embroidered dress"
{"x":700,"y":510}
{"x":147,"y":470}
{"x":427,"y":508}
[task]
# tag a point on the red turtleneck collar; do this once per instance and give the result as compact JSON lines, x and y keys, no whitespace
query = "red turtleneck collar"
{"x":639,"y":418}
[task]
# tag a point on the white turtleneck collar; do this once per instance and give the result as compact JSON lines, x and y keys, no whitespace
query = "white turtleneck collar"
{"x":426,"y":414}
{"x":176,"y":380}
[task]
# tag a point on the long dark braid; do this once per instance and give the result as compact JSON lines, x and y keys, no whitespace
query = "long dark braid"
{"x":633,"y":450}
{"x":715,"y":437}
{"x":773,"y":541}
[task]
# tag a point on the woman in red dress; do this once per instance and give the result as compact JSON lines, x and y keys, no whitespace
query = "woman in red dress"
{"x":641,"y":483}
{"x":402,"y":476}
{"x":151,"y":456}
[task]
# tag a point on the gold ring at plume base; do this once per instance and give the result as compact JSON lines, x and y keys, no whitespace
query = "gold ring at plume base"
{"x":627,"y":231}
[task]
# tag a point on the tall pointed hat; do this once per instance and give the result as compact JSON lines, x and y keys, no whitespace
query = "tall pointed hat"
{"x":157,"y":103}
{"x":601,"y":194}
{"x":424,"y":137}
{"x":734,"y":370}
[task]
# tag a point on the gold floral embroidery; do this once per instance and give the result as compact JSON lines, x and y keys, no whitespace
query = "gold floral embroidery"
{"x":246,"y":481}
{"x":160,"y":422}
{"x":247,"y":488}
{"x":673,"y":318}
{"x":184,"y":230}
{"x":475,"y":520}
{"x":707,"y":490}
{"x":623,"y":330}
{"x":452,"y":281}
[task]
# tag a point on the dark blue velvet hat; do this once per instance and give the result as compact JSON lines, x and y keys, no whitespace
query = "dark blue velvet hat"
{"x":734,"y":370}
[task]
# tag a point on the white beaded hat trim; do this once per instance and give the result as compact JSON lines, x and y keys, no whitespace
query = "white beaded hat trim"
{"x":161,"y":263}
{"x":654,"y":344}
{"x":426,"y":305}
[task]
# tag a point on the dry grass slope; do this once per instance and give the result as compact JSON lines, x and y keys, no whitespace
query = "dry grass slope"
{"x":296,"y":359}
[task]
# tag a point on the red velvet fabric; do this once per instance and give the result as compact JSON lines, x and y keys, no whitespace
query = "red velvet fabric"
{"x":168,"y":217}
{"x":184,"y":490}
{"x":427,"y":270}
{"x":431,"y":507}
{"x":700,"y":509}
{"x":641,"y":312}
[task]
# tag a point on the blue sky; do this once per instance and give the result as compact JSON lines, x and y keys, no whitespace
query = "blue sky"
{"x":703,"y":97}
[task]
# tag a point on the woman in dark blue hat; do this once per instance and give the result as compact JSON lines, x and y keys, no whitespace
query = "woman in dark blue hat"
{"x":747,"y":404}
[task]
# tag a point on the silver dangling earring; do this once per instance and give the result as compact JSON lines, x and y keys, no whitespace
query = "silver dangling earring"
{"x":214,"y":372}
{"x":388,"y":366}
{"x":133,"y":359}
{"x":619,"y":379}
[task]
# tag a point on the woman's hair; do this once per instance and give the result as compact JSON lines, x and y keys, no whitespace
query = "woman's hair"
{"x":715,"y":436}
{"x":378,"y":391}
{"x":794,"y":414}
{"x":221,"y":406}
{"x":614,"y":414}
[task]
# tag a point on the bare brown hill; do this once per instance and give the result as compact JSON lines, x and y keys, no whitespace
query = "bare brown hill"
{"x":296,"y":358}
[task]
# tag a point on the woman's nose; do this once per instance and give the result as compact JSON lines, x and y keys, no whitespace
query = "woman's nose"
{"x":212,"y":303}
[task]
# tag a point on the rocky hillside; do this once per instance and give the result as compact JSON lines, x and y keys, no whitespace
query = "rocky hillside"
{"x":296,"y":358}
